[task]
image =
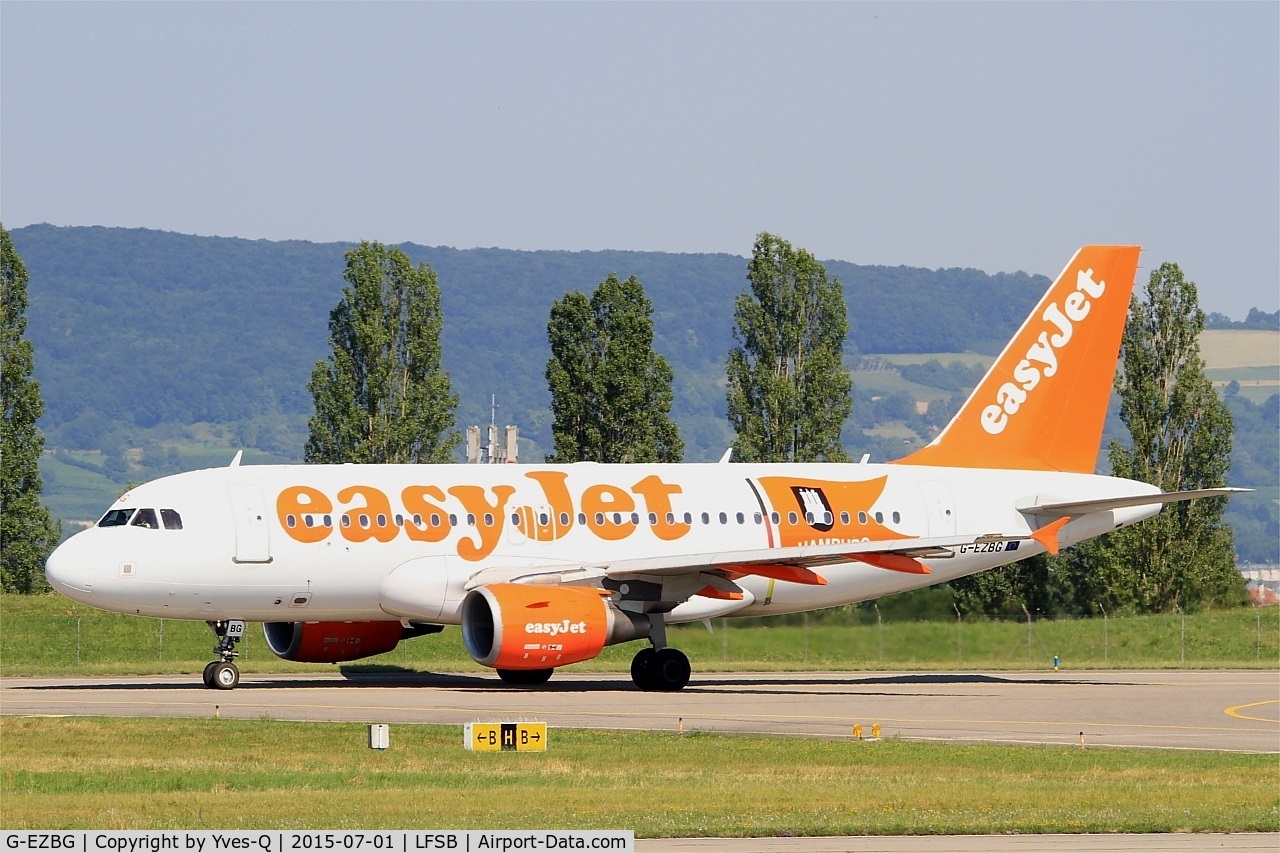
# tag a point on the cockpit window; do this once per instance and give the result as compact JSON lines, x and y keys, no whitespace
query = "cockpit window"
{"x":171,"y":519}
{"x":116,"y":517}
{"x":146,"y":518}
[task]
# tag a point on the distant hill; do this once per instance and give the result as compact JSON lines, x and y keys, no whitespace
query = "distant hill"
{"x":159,"y":352}
{"x":143,"y":327}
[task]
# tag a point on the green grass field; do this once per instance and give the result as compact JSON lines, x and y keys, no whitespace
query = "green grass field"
{"x":49,"y":634}
{"x":237,"y":774}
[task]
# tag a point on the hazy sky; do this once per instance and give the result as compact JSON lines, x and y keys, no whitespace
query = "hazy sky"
{"x":998,"y":136}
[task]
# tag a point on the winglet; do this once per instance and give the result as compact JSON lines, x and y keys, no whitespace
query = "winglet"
{"x":1042,"y":404}
{"x":1048,"y":535}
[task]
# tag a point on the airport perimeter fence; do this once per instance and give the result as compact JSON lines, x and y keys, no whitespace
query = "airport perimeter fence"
{"x":47,"y":638}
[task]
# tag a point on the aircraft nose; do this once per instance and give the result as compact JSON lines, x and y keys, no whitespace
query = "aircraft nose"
{"x":70,"y":570}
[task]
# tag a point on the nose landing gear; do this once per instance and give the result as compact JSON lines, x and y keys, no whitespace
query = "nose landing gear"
{"x":223,"y":674}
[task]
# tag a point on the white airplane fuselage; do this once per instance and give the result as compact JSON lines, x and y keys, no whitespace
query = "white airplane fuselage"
{"x":236,"y":555}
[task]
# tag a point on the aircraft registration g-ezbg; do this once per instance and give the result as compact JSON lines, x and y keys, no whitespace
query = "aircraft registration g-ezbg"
{"x":543,"y":566}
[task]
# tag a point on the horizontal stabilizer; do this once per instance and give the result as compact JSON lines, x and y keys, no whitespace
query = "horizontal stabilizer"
{"x":1075,"y":508}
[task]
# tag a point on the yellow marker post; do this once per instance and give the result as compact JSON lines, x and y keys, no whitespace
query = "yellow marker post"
{"x":499,"y":737}
{"x":875,"y":731}
{"x":857,"y":731}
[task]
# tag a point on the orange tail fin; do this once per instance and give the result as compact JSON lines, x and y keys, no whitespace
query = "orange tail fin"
{"x":1042,"y":403}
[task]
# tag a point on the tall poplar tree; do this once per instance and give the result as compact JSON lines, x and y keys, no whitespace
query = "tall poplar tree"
{"x":1181,"y":439}
{"x":610,"y":392}
{"x":383,"y":395}
{"x":789,"y":393}
{"x":27,"y":531}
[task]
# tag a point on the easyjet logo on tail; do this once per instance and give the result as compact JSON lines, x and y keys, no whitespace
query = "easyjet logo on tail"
{"x":1042,"y":404}
{"x":1041,"y":359}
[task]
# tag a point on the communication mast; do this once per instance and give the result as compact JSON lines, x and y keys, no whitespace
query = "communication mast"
{"x":493,"y":452}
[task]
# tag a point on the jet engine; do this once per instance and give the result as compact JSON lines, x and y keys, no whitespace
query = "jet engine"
{"x":331,"y":642}
{"x":510,"y":626}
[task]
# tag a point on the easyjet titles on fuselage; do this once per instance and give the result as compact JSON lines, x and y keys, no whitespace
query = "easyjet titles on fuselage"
{"x":804,"y":511}
{"x":307,"y":513}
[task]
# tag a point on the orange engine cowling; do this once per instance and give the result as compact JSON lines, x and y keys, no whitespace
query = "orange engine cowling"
{"x":537,"y":626}
{"x":331,"y":642}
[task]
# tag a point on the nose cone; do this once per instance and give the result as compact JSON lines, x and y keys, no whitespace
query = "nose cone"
{"x":70,"y":569}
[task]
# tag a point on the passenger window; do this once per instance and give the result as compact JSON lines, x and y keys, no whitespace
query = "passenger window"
{"x":879,"y":518}
{"x":741,"y":518}
{"x":471,"y":519}
{"x":808,"y":517}
{"x":775,"y":517}
{"x":364,"y":520}
{"x":515,"y":519}
{"x":896,"y":517}
{"x":582,"y":518}
{"x":862,"y":518}
{"x":328,"y":521}
{"x":290,"y":521}
{"x":844,"y":517}
{"x":653,"y":518}
{"x":453,"y":519}
{"x":542,"y":519}
{"x":171,"y":519}
{"x":671,"y":518}
{"x":146,"y":518}
{"x":346,"y":521}
{"x":688,"y":518}
{"x":724,"y":519}
{"x":793,"y":518}
{"x":116,"y":518}
{"x":706,"y":519}
{"x":564,"y":519}
{"x":759,"y":518}
{"x":382,"y":520}
{"x":599,"y":519}
{"x":488,"y":519}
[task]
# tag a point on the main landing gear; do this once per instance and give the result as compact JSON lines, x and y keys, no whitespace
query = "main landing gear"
{"x":223,"y":674}
{"x":660,"y":669}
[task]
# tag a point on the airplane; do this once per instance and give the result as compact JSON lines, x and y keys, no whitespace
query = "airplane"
{"x":542,"y":566}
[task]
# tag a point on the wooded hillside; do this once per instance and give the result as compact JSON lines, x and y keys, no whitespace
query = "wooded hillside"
{"x":158,"y":352}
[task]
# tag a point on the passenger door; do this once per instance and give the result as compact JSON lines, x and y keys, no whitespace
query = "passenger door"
{"x":249,"y":511}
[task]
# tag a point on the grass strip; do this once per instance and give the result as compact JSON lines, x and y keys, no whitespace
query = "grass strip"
{"x":72,"y":773}
{"x":49,"y":635}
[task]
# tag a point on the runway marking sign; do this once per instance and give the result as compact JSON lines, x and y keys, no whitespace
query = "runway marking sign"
{"x":497,"y":737}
